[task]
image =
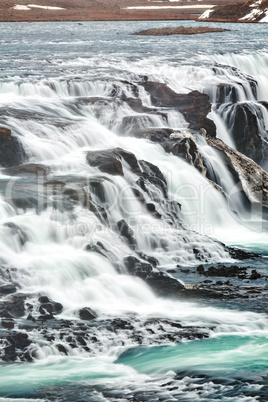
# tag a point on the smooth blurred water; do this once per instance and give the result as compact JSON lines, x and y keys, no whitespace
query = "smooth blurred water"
{"x":45,"y":69}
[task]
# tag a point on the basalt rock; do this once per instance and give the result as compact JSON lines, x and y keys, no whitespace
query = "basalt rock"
{"x":194,"y":106}
{"x":11,"y":149}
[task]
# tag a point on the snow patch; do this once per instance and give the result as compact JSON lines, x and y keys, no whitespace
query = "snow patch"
{"x":252,"y":15}
{"x":206,"y":14}
{"x":265,"y":19}
{"x":257,"y":3}
{"x":20,"y":7}
{"x":29,"y":6}
{"x":46,"y":7}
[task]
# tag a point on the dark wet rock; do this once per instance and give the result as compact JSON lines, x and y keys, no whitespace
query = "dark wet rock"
{"x":194,"y":106}
{"x":30,"y":318}
{"x":48,"y":308}
{"x":119,"y":323}
{"x":164,"y":285}
{"x":7,"y":289}
{"x":154,"y":134}
{"x":87,"y":313}
{"x":126,"y":232}
{"x":8,"y":323}
{"x":245,"y":123}
{"x":152,"y":174}
{"x":137,"y":267}
{"x":255,"y":275}
{"x":151,"y":260}
{"x":46,"y":316}
{"x":223,"y":271}
{"x":97,"y":248}
{"x":137,"y":106}
{"x":61,"y":349}
{"x":11,"y":149}
{"x":106,"y":161}
{"x":43,"y":299}
{"x":110,"y":161}
{"x":180,"y":143}
{"x":240,"y":254}
{"x":51,"y":308}
{"x":96,"y":188}
{"x":252,"y":179}
{"x":15,"y":309}
{"x":16,"y":230}
{"x":16,"y":346}
{"x":184,"y":146}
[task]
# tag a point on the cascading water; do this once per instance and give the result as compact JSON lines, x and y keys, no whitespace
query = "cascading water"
{"x":73,"y":228}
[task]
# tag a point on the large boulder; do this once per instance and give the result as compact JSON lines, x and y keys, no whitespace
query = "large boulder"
{"x":194,"y":106}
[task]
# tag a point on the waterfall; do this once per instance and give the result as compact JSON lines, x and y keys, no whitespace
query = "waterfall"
{"x":107,"y":236}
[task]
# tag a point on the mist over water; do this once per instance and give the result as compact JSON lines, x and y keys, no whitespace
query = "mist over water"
{"x":63,"y":92}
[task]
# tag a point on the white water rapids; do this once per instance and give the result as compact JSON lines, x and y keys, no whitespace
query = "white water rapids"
{"x":59,"y":112}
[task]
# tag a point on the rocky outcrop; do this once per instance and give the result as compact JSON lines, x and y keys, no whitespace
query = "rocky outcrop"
{"x":250,"y":11}
{"x":251,"y":177}
{"x":245,"y":123}
{"x":11,"y":150}
{"x":194,"y":106}
{"x":181,"y":30}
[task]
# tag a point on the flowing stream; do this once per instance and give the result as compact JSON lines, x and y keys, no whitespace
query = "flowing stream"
{"x":63,"y":94}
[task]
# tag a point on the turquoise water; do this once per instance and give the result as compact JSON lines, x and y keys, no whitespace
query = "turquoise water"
{"x":232,"y":356}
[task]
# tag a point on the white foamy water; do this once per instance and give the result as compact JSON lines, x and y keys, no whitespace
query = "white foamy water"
{"x":66,"y":245}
